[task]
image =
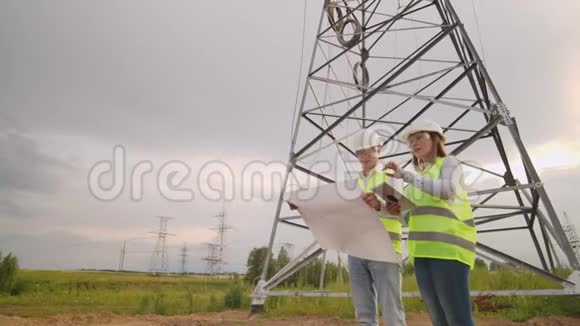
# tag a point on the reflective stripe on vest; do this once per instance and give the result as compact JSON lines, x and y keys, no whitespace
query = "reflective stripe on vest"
{"x":438,"y":228}
{"x":439,"y":211}
{"x":442,"y":237}
{"x":395,"y":236}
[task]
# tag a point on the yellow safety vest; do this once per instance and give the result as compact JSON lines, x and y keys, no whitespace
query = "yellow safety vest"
{"x":392,"y":224}
{"x":438,"y":228}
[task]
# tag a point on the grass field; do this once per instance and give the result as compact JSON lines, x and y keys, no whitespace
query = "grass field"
{"x":44,"y":293}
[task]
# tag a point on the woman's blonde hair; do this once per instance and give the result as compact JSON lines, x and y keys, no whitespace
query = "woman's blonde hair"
{"x":440,"y":149}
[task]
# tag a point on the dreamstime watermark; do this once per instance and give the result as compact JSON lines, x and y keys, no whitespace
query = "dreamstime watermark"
{"x":216,"y":180}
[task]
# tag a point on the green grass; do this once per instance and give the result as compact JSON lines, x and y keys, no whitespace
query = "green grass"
{"x":45,"y":293}
{"x":51,"y":292}
{"x":513,"y":308}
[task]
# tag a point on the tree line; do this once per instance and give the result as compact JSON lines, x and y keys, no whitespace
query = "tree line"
{"x":308,"y":276}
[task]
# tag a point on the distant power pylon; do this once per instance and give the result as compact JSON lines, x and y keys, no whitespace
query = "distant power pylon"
{"x":289,"y":247}
{"x":212,"y":259}
{"x":159,"y":257}
{"x":122,"y":257}
{"x":215,"y":258}
{"x":572,"y":236}
{"x":183,"y":259}
{"x":221,"y":234}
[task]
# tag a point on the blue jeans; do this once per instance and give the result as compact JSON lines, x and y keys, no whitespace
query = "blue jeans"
{"x":369,"y":278}
{"x":444,"y":286}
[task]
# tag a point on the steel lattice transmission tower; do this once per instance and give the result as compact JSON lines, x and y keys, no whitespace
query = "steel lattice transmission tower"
{"x":570,"y":230}
{"x":159,"y":257}
{"x":122,"y":256}
{"x":221,"y":239}
{"x":289,"y":247}
{"x":386,"y":63}
{"x":215,"y":259}
{"x":183,"y":260}
{"x":212,"y":259}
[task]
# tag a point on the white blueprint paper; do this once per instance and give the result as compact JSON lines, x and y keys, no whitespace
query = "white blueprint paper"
{"x":345,"y":224}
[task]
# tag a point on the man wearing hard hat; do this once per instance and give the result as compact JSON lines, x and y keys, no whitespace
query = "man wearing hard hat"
{"x":371,"y":279}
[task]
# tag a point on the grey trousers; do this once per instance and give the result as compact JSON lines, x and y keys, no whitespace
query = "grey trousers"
{"x":371,"y":279}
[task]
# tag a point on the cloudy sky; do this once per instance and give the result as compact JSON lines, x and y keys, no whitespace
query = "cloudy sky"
{"x":214,"y":81}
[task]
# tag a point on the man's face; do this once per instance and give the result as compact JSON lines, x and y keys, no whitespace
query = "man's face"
{"x":368,"y":157}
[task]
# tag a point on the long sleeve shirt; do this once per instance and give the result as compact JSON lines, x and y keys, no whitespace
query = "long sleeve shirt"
{"x":446,"y":186}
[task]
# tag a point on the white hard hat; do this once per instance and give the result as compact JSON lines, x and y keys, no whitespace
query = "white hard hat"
{"x":422,"y":125}
{"x":365,"y":138}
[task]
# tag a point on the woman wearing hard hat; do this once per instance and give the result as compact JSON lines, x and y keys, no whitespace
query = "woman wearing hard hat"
{"x":368,"y":278}
{"x":441,"y":228}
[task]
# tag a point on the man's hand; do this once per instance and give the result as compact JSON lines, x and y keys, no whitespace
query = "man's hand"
{"x":371,"y":199}
{"x":393,"y":208}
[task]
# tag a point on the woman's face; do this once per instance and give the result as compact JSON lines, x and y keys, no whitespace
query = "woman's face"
{"x":421,"y":144}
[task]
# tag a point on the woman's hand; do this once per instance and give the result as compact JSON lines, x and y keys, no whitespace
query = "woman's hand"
{"x":393,"y":166}
{"x":393,"y":208}
{"x":371,"y":199}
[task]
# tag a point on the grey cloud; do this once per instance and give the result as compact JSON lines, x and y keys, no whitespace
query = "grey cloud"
{"x":25,"y":171}
{"x":561,"y":186}
{"x":25,"y":168}
{"x":215,"y":77}
{"x":110,"y":71}
{"x":9,"y":208}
